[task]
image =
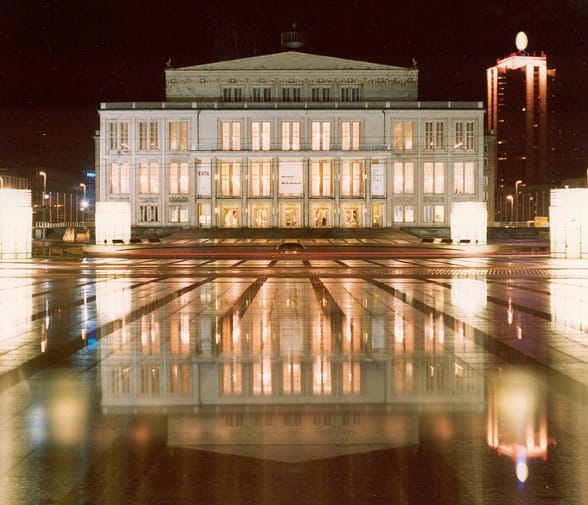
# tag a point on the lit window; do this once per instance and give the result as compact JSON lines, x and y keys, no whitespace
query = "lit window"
{"x":119,"y":178}
{"x":178,"y":178}
{"x":178,"y":214}
{"x":321,"y":135}
{"x":178,"y":135}
{"x":434,"y":214}
{"x":149,"y":178}
{"x":463,"y":177}
{"x":231,"y":135}
{"x":230,"y":179}
{"x":148,"y":136}
{"x":321,"y":178}
{"x":434,"y":178}
{"x":260,"y":178}
{"x":403,"y":178}
{"x":118,"y":136}
{"x":403,"y":135}
{"x":292,"y":377}
{"x":351,"y":377}
{"x":350,"y":135}
{"x":434,"y":135}
{"x":352,"y":178}
{"x":404,"y":214}
{"x":260,"y":135}
{"x":291,"y":135}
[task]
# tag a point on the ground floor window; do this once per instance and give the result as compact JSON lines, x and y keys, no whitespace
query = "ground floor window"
{"x":148,"y":214}
{"x":434,"y":214}
{"x":179,"y":214}
{"x":230,"y":216}
{"x":404,"y":213}
{"x":260,"y":216}
{"x":291,"y":215}
{"x":204,"y":215}
{"x":320,"y":215}
{"x":351,"y":215}
{"x":378,"y":215}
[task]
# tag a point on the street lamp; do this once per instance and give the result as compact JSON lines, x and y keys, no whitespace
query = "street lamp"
{"x":84,"y":203}
{"x":44,"y":175}
{"x":510,"y":199}
{"x":517,"y":199}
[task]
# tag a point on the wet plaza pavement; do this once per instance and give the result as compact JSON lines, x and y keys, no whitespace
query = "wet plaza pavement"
{"x":445,"y":379}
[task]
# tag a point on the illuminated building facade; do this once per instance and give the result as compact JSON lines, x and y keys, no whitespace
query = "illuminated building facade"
{"x":291,"y":140}
{"x":520,"y":90}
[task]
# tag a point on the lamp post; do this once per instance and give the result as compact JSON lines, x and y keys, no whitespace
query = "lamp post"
{"x":516,"y":196}
{"x":44,"y":176}
{"x":510,"y":199}
{"x":84,"y":203}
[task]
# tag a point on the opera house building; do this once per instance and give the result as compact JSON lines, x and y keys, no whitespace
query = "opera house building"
{"x":291,"y":140}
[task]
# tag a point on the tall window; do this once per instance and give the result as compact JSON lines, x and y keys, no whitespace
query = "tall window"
{"x":291,"y":135}
{"x":230,"y":135}
{"x":260,"y":178}
{"x":403,"y":135}
{"x":291,"y":94}
{"x":434,"y":178}
{"x":434,"y":135}
{"x":118,"y":136}
{"x":119,"y":178}
{"x":403,"y":178}
{"x":178,"y":178}
{"x":178,"y":135}
{"x":350,"y":94}
{"x":260,"y":136}
{"x":148,"y":213}
{"x":230,"y":178}
{"x":262,"y":94}
{"x":321,"y":178}
{"x":232,"y":94}
{"x":463,"y":177}
{"x":149,"y":178}
{"x":351,"y":377}
{"x":321,"y":135}
{"x":434,"y":214}
{"x":320,"y":94}
{"x":352,"y":178}
{"x":469,"y":135}
{"x":148,"y":136}
{"x":350,"y":135}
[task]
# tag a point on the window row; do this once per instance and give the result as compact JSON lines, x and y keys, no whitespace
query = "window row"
{"x":292,"y":94}
{"x":231,"y":217}
{"x":350,"y":178}
{"x":290,"y":136}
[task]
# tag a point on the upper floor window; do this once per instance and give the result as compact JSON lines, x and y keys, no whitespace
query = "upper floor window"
{"x":321,"y":178}
{"x":118,"y":178}
{"x":434,"y":178}
{"x":290,"y":135}
{"x":350,"y":135}
{"x":230,"y":179}
{"x":464,"y":135}
{"x":260,"y":136}
{"x":463,"y":177}
{"x":291,"y":94}
{"x":178,"y":178}
{"x":403,"y":135}
{"x":178,"y":135}
{"x":262,"y":94}
{"x":118,"y":136}
{"x":321,"y":135}
{"x":434,"y":135}
{"x":260,"y":178}
{"x":230,"y":135}
{"x":403,"y":178}
{"x":149,"y":178}
{"x":350,"y":94}
{"x":232,"y":94}
{"x":321,"y":94}
{"x":352,"y":178}
{"x":148,"y":136}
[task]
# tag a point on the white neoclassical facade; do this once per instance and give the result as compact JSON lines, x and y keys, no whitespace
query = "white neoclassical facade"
{"x":291,"y":140}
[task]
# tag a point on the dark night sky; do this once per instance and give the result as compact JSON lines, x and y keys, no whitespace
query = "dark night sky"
{"x":60,"y":59}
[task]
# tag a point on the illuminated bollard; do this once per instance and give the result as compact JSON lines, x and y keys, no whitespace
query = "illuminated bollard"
{"x":568,"y":223}
{"x":469,"y":222}
{"x":16,"y":223}
{"x":113,"y":222}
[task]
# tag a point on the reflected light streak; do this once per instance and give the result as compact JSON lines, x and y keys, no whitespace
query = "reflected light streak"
{"x":569,"y":304}
{"x":469,"y":295}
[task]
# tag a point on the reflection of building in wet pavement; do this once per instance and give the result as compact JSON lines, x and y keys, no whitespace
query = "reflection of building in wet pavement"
{"x":245,"y":366}
{"x":517,"y":418}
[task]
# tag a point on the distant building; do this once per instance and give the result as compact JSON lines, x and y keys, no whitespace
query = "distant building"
{"x":520,"y":91}
{"x":291,"y":140}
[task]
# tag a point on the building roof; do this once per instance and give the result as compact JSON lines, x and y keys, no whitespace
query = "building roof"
{"x":291,"y":60}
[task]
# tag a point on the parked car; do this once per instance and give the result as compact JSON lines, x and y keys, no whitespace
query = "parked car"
{"x":290,"y":247}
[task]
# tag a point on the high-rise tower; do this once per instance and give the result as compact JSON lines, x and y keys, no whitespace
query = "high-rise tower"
{"x":520,"y":89}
